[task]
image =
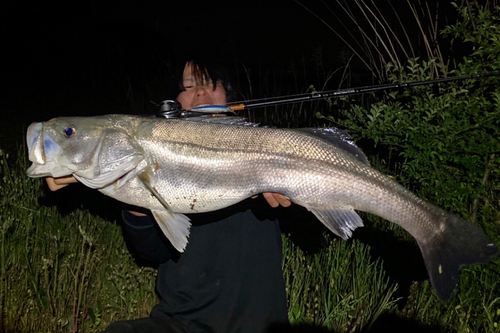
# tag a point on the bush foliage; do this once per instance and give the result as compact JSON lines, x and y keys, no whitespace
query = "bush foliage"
{"x":442,"y":140}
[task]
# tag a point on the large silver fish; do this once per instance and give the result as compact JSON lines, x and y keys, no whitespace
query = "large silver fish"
{"x":172,"y":167}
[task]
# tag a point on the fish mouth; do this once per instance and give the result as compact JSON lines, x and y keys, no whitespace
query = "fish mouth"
{"x":36,"y":149}
{"x":43,"y":152}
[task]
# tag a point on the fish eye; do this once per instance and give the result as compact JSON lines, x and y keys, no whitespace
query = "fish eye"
{"x":69,"y":131}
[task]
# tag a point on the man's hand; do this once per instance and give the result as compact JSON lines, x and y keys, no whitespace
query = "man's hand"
{"x":58,"y":183}
{"x":275,"y":199}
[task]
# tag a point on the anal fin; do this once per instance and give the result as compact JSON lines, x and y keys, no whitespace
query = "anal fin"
{"x":341,"y":222}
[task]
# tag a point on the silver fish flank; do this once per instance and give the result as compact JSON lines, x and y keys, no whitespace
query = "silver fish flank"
{"x":175,"y":167}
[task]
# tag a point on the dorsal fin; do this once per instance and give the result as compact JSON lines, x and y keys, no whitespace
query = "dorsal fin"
{"x":337,"y":137}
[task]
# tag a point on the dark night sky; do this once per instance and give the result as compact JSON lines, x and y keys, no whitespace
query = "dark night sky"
{"x":84,"y":58}
{"x":73,"y":53}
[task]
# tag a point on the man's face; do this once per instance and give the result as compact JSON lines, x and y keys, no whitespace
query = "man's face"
{"x":199,"y":93}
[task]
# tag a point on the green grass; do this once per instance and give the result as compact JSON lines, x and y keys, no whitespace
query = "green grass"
{"x":340,"y":288}
{"x":62,"y":272}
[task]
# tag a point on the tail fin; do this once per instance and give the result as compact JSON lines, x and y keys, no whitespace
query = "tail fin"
{"x":460,"y":243}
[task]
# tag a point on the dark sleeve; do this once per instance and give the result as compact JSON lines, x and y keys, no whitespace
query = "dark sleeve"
{"x":144,"y":240}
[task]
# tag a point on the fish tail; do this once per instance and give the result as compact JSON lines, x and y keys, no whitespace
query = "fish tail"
{"x":459,"y":243}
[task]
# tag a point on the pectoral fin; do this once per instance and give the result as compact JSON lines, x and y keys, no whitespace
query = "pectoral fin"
{"x":174,"y":226}
{"x":146,"y":177}
{"x":341,"y":222}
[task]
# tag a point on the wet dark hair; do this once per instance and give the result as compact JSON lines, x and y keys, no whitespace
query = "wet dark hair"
{"x":205,"y":70}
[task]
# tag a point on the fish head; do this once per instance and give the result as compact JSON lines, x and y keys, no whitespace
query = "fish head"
{"x":96,"y":150}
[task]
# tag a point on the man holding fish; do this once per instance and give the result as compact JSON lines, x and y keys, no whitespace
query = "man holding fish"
{"x":229,"y":278}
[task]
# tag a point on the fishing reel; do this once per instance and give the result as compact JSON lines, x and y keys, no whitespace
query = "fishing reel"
{"x":216,"y":114}
{"x":169,"y":109}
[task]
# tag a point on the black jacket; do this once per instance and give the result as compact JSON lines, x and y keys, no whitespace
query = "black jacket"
{"x":229,"y":279}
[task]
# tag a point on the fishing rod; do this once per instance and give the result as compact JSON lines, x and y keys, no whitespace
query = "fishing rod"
{"x":173,"y":109}
{"x":347,"y":92}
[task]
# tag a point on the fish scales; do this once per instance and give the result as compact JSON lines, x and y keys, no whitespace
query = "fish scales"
{"x":228,"y":163}
{"x":175,"y":167}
